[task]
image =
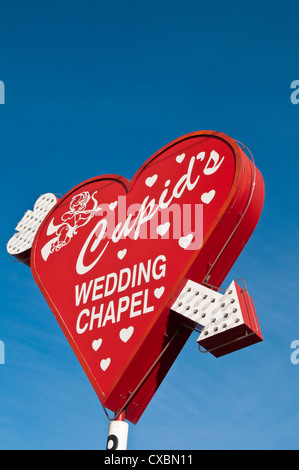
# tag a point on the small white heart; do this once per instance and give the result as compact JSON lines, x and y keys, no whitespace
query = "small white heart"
{"x":184,"y":242}
{"x":158,"y":292}
{"x":126,"y":333}
{"x":207,"y":197}
{"x":122,"y":253}
{"x":180,"y":158}
{"x":105,"y":363}
{"x":96,"y":344}
{"x":162,"y":229}
{"x":150,"y":181}
{"x":112,"y":205}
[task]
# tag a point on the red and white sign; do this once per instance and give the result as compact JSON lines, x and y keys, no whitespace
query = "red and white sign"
{"x":112,"y":256}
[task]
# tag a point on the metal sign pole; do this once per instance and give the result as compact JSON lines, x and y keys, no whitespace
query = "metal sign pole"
{"x":118,"y":433}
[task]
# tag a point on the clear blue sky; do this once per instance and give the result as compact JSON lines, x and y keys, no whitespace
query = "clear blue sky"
{"x":94,"y":87}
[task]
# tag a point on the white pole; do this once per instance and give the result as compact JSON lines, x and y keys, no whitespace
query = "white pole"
{"x":118,"y":434}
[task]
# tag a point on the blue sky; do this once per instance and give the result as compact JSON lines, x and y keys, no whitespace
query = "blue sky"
{"x":95,"y":87}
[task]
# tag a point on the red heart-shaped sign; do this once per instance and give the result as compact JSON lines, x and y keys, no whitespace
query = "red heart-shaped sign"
{"x":112,"y":255}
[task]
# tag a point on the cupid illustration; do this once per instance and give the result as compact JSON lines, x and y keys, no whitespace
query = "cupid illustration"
{"x":82,"y":208}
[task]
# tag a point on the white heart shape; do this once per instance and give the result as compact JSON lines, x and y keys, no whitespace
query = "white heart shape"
{"x":105,"y":363}
{"x":112,"y":205}
{"x":180,"y":158}
{"x":184,"y":242}
{"x":96,"y":344}
{"x":158,"y":292}
{"x":122,"y":253}
{"x":150,"y":181}
{"x":126,"y":333}
{"x":163,"y":228}
{"x":207,"y":197}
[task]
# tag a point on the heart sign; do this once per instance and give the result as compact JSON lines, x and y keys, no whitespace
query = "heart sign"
{"x":112,"y":254}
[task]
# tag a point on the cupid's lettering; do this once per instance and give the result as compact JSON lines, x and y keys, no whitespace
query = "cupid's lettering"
{"x":84,"y":206}
{"x":147,"y":211}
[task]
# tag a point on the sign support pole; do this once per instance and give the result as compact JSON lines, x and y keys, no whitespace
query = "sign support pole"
{"x":118,"y":433}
